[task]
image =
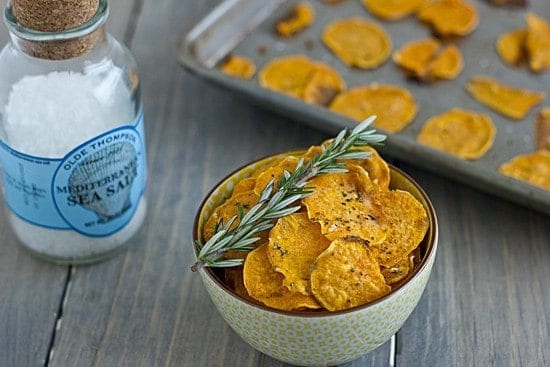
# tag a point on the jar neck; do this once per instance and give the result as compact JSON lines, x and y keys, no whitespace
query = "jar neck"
{"x":59,"y":45}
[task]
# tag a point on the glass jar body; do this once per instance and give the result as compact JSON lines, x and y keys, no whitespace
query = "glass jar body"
{"x":63,"y":115}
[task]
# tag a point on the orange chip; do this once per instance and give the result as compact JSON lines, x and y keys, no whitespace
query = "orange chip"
{"x":234,"y":279}
{"x":294,"y":244}
{"x":533,"y":168}
{"x":542,"y":129}
{"x":510,"y":46}
{"x":415,"y":56}
{"x":264,"y":284}
{"x":394,"y":106}
{"x":301,"y":77}
{"x":246,"y":184}
{"x":229,"y":209}
{"x":392,"y":9}
{"x":275,"y":173}
{"x":450,"y":17}
{"x":462,"y":133}
{"x":346,"y":275}
{"x":300,"y":17}
{"x":408,"y":223}
{"x":427,"y":60}
{"x":239,"y":66}
{"x":447,"y":65}
{"x":357,"y":42}
{"x":398,"y":272}
{"x":346,"y":204}
{"x":537,"y":42}
{"x":323,"y":86}
{"x":376,"y":167}
{"x":509,"y":101}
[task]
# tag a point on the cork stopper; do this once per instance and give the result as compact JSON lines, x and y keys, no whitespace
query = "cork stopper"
{"x":56,"y":16}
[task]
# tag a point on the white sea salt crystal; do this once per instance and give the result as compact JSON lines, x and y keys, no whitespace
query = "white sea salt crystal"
{"x":49,"y":115}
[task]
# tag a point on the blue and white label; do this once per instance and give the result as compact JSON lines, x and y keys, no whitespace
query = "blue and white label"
{"x":94,"y":189}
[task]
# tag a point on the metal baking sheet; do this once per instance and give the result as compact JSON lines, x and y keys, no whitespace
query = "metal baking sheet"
{"x":245,"y":27}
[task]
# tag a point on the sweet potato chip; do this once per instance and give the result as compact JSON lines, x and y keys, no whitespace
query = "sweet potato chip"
{"x":376,"y":167}
{"x":507,"y":100}
{"x":447,"y":64}
{"x":462,"y":133}
{"x":301,"y":77}
{"x":346,"y":275}
{"x":398,"y":272}
{"x":357,"y":42}
{"x":246,"y":184}
{"x":415,"y":56}
{"x":275,"y":173}
{"x":392,"y":9}
{"x":450,"y":17}
{"x":300,"y":17}
{"x":264,"y":284}
{"x":239,"y":66}
{"x":510,"y":46}
{"x":323,"y":86}
{"x":542,"y":129}
{"x":234,"y":279}
{"x":408,"y":222}
{"x":533,"y":168}
{"x":346,"y":204}
{"x":394,"y":106}
{"x":428,"y":60}
{"x":227,"y":210}
{"x":537,"y":42}
{"x":294,"y":244}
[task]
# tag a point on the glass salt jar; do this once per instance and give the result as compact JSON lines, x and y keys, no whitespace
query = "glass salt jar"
{"x":72,"y":146}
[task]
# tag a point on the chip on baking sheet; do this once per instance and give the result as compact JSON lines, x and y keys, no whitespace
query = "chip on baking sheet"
{"x":265,"y":284}
{"x":509,"y":101}
{"x":542,"y":129}
{"x":450,"y":17}
{"x":416,"y":55}
{"x":294,"y":244}
{"x":229,"y":209}
{"x":392,"y":9}
{"x":347,"y":204}
{"x":447,"y":64}
{"x":393,"y":105}
{"x":428,"y":60}
{"x":537,"y":42}
{"x":238,"y":66}
{"x":299,"y":18}
{"x":533,"y":168}
{"x":510,"y":46}
{"x":303,"y":78}
{"x":462,"y":133}
{"x":408,"y":223}
{"x":346,"y":275}
{"x":358,"y":42}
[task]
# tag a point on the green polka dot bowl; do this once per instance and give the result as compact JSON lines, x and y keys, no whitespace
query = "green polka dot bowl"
{"x":318,"y":338}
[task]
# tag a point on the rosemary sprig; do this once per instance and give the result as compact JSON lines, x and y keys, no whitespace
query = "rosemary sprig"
{"x":273,"y":205}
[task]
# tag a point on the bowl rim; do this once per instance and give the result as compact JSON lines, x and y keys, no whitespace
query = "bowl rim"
{"x":430,"y":251}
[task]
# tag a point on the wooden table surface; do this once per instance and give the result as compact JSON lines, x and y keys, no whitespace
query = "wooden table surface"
{"x":487,"y":302}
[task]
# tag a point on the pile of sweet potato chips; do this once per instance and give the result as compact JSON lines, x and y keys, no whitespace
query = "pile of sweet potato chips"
{"x":353,"y":239}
